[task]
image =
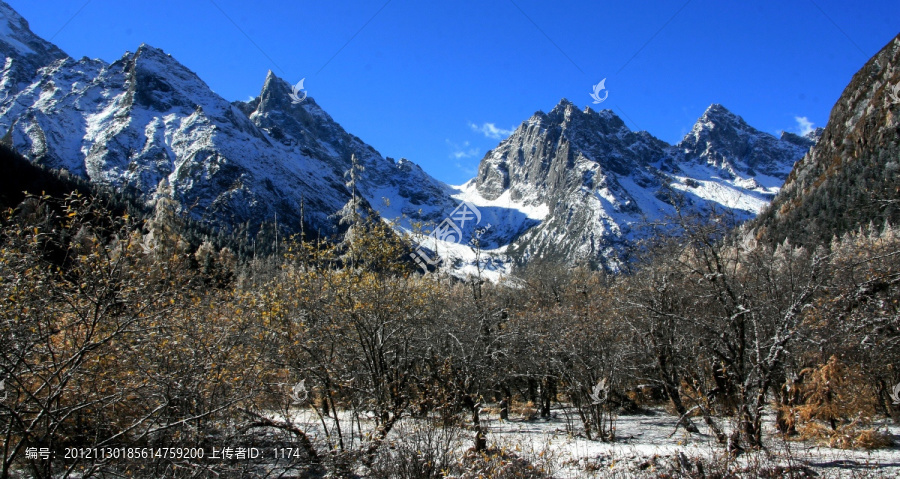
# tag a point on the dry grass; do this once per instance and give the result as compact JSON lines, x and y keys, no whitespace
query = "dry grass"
{"x":525,"y":410}
{"x":848,"y":436}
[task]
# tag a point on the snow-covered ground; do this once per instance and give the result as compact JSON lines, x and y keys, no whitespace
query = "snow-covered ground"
{"x":646,"y":445}
{"x":645,"y":442}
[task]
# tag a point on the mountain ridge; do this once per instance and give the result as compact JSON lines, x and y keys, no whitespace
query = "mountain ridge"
{"x":850,"y":176}
{"x":571,"y":184}
{"x":148,"y":124}
{"x":599,"y":180}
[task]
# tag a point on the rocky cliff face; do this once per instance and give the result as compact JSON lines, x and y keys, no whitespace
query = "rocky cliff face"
{"x":725,"y":141}
{"x":597,"y":180}
{"x":850,"y":178}
{"x":396,"y":188}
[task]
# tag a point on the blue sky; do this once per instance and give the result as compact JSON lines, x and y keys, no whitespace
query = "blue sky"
{"x":440,"y":83}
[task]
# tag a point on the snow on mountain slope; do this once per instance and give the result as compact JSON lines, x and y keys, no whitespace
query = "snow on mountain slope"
{"x":396,"y":189}
{"x":149,"y":125}
{"x":500,"y":220}
{"x":146,"y":124}
{"x":598,"y":181}
{"x":25,"y":52}
{"x":576,"y":186}
{"x":571,"y":185}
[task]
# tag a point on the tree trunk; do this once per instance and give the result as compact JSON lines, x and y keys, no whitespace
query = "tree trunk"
{"x":548,"y":391}
{"x":670,"y":385}
{"x":480,"y":441}
{"x":532,"y":391}
{"x":378,"y":437}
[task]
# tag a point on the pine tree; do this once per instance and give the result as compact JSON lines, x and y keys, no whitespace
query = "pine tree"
{"x":351,"y":215}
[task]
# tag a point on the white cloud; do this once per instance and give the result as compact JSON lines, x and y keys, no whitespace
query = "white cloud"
{"x":490,"y":130}
{"x":465,"y":150}
{"x":804,"y":126}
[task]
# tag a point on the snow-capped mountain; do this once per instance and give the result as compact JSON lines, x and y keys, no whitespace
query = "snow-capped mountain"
{"x":589,"y":181}
{"x":148,"y":124}
{"x":396,"y":189}
{"x":570,"y":184}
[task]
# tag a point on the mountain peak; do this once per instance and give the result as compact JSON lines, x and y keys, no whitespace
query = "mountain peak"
{"x":147,"y":48}
{"x":815,"y":134}
{"x":563,"y":106}
{"x":717,"y":116}
{"x":276,"y":93}
{"x":148,"y":53}
{"x":272,"y":80}
{"x":604,"y":114}
{"x":724,"y":140}
{"x":805,"y":141}
{"x":12,"y":16}
{"x":716,"y":111}
{"x":18,"y":42}
{"x":566,"y":110}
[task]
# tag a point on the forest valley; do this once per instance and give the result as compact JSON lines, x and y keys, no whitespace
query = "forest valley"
{"x":124,"y":327}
